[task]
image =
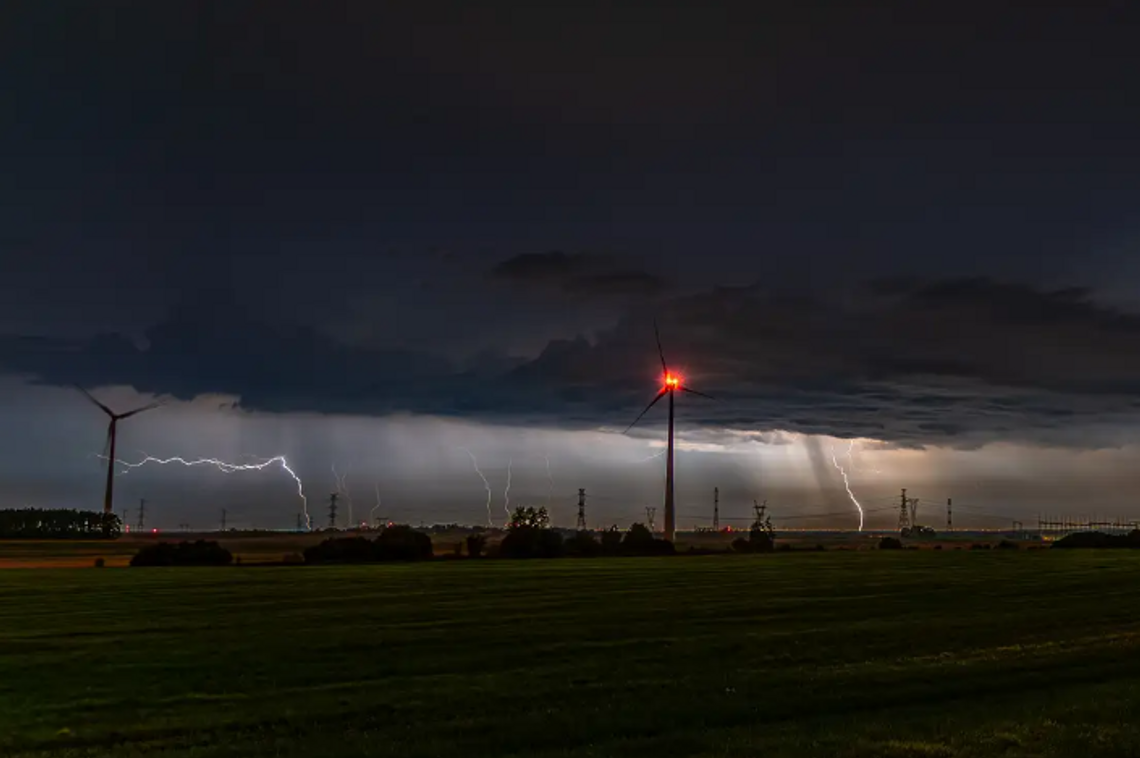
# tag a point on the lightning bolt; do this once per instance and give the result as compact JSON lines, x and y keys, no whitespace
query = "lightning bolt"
{"x":486,"y":485}
{"x":507,"y":493}
{"x":342,"y":489}
{"x":847,"y":486}
{"x":372,"y":513}
{"x":229,"y":468}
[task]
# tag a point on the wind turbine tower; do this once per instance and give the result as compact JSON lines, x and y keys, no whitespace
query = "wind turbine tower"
{"x":112,"y":430}
{"x":671,"y":384}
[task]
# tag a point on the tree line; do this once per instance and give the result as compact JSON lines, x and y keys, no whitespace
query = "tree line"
{"x":58,"y":524}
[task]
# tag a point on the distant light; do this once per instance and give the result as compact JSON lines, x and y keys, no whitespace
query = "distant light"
{"x":154,"y":531}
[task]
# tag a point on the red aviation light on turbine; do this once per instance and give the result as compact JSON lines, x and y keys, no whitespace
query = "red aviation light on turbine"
{"x":672,"y":381}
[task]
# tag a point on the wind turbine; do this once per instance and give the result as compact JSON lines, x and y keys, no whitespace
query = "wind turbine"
{"x":112,"y":428}
{"x":671,"y":384}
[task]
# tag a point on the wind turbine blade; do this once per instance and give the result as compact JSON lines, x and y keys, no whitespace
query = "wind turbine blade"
{"x":652,"y":403}
{"x":150,"y":407}
{"x":91,"y":397}
{"x":694,"y":392}
{"x":660,"y":352}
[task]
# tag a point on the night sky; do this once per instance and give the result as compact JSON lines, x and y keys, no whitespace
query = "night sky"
{"x":383,"y":239}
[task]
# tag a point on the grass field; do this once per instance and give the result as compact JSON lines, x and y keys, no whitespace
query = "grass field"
{"x":847,"y":654}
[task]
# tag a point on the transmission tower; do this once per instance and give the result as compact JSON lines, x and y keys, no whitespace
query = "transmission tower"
{"x":716,"y":509}
{"x":650,"y":514}
{"x":332,"y":510}
{"x":142,"y":514}
{"x":949,"y":515}
{"x":223,"y":519}
{"x":581,"y":510}
{"x":300,"y":523}
{"x":904,"y":513}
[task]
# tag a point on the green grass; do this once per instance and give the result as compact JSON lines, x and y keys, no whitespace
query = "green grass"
{"x":837,"y":654}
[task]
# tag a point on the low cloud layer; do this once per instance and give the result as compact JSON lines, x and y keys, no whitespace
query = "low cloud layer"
{"x":579,"y":275}
{"x":910,"y":362}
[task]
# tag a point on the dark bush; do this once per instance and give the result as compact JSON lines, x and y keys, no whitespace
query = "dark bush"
{"x":199,"y":553}
{"x":395,"y":543}
{"x":979,"y":546}
{"x":937,"y":547}
{"x":100,"y":563}
{"x":293,"y":559}
{"x":57,"y":523}
{"x":531,"y":542}
{"x":1007,"y":545}
{"x":785,"y":548}
{"x":583,"y":543}
{"x":342,"y":550}
{"x":402,"y":543}
{"x":611,"y":541}
{"x":1100,"y":540}
{"x":640,"y":541}
{"x":820,"y":548}
{"x":475,"y":545}
{"x":890,"y":543}
{"x":741,"y":545}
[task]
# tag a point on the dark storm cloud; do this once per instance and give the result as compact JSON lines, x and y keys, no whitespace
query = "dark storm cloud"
{"x":949,"y":362}
{"x":578,"y":274}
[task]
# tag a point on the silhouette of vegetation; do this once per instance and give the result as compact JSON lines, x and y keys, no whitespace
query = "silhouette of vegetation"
{"x":402,"y":543}
{"x":529,"y":537}
{"x":640,"y":541}
{"x":611,"y":541}
{"x":342,"y":550}
{"x":582,"y":543}
{"x":476,"y":543}
{"x":198,"y":553}
{"x":890,"y":543}
{"x":58,"y":524}
{"x":1007,"y":545}
{"x":534,"y":518}
{"x":1099,"y":540}
{"x":395,"y":543}
{"x":761,"y":534}
{"x":100,"y":563}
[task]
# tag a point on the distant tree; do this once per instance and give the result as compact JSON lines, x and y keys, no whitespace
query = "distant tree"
{"x":529,"y":537}
{"x":640,"y":541}
{"x":198,"y":553}
{"x":58,"y":523}
{"x":402,"y":543}
{"x":342,"y":550}
{"x":611,"y":541}
{"x":1007,"y":545}
{"x":535,"y":518}
{"x":761,"y":534}
{"x":583,"y":543}
{"x":475,"y":545}
{"x":1099,"y":540}
{"x":890,"y":543}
